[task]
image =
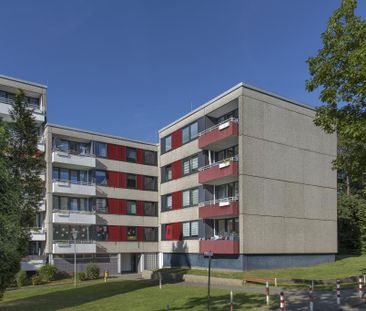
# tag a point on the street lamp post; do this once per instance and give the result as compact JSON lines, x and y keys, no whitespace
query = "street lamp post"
{"x":74,"y":236}
{"x":209,"y":255}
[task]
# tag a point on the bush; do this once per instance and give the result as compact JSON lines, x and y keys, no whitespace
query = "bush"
{"x":21,"y":278}
{"x":36,"y":279}
{"x":47,"y":273}
{"x":82,"y":276}
{"x":92,"y":272}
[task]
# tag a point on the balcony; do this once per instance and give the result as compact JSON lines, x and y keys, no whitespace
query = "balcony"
{"x":41,"y":144}
{"x":71,"y":160}
{"x":220,"y":246}
{"x":37,"y":234}
{"x":227,"y":207}
{"x":74,"y":188}
{"x":221,"y":172}
{"x":42,"y":206}
{"x":220,"y":136}
{"x":5,"y":106}
{"x":68,"y":247}
{"x":74,"y":217}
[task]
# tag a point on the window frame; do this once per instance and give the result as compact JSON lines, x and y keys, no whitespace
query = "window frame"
{"x":128,"y":205}
{"x":105,"y":182}
{"x":96,"y":143}
{"x":128,"y":237}
{"x":135,"y":177}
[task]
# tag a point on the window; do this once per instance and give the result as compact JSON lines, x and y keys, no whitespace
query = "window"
{"x":131,"y":233}
{"x":195,"y":196}
{"x":232,"y":114}
{"x":101,"y":233}
{"x":73,"y":204}
{"x":100,"y":149}
{"x":131,"y":181}
{"x":190,"y":165}
{"x":150,"y":234}
{"x":168,"y":173}
{"x":186,"y":229}
{"x":63,"y":174}
{"x":168,"y":201}
{"x":226,"y":153}
{"x":131,"y":154}
{"x":189,"y":132}
{"x":74,"y":176}
{"x":194,"y":228}
{"x":101,"y":178}
{"x":149,"y":157}
{"x":150,"y":209}
{"x":150,"y":183}
{"x":64,"y":203}
{"x":186,"y":198}
{"x":61,"y":144}
{"x":131,"y":207}
{"x":63,"y":232}
{"x":168,"y":143}
{"x":101,"y":205}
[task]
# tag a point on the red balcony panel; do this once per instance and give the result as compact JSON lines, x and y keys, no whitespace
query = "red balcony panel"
{"x":219,"y":210}
{"x":217,"y":135}
{"x":177,"y":169}
{"x":223,"y":172}
{"x":176,"y":139}
{"x":220,"y":246}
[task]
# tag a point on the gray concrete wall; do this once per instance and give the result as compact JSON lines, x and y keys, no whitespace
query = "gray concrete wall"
{"x":288,"y":198}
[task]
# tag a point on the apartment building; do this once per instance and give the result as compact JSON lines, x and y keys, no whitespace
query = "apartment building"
{"x":106,"y":189}
{"x":248,"y":177}
{"x":36,"y":100}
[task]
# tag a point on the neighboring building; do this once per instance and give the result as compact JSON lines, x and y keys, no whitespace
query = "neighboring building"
{"x":36,"y":100}
{"x":106,"y":188}
{"x":247,"y":176}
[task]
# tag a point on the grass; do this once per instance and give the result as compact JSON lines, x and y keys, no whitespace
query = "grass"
{"x":343,"y":267}
{"x":123,"y":295}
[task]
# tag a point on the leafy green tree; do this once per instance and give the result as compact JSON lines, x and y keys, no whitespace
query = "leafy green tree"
{"x":26,"y":162}
{"x":339,"y":71}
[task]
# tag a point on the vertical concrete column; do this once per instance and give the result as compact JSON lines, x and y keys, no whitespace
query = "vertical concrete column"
{"x":119,"y":263}
{"x":160,"y":260}
{"x":141,"y":267}
{"x":50,"y":259}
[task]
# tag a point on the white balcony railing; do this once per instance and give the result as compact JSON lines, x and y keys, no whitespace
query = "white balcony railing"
{"x":37,"y":234}
{"x":75,"y":217}
{"x":72,"y":187}
{"x":221,"y":202}
{"x":83,"y":159}
{"x":10,"y":101}
{"x":68,"y":247}
{"x":219,"y":126}
{"x":221,"y":164}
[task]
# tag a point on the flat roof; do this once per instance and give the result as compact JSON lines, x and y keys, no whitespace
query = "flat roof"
{"x":232,"y":89}
{"x":24,"y":81}
{"x":99,"y":134}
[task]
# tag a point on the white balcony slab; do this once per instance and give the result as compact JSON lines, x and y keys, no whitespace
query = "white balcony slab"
{"x":68,"y":248}
{"x":5,"y":108}
{"x":38,"y":234}
{"x":74,"y":217}
{"x":73,"y":160}
{"x":65,"y":187}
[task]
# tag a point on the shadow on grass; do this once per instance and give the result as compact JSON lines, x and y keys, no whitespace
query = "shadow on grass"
{"x":222,"y":302}
{"x":68,"y":298}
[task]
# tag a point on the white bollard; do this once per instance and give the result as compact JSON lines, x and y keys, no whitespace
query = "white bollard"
{"x":282,"y":302}
{"x":231,"y":301}
{"x":311,"y":299}
{"x":267,"y":293}
{"x":338,"y":292}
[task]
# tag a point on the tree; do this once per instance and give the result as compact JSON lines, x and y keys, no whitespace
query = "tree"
{"x":13,"y":238}
{"x":339,"y":70}
{"x":26,"y":162}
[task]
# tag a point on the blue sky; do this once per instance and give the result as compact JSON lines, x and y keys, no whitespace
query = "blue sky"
{"x":129,"y":68}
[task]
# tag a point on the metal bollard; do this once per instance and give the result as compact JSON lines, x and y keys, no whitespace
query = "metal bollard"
{"x":311,"y":299}
{"x":282,"y":302}
{"x":360,"y":287}
{"x":231,"y":301}
{"x":338,"y":292}
{"x":267,"y":293}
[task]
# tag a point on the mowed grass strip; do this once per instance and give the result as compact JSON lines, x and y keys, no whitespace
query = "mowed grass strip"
{"x":124,"y":295}
{"x":343,"y":267}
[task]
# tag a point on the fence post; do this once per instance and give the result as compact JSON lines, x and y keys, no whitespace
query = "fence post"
{"x":360,"y":288}
{"x":160,"y":281}
{"x":338,"y":292}
{"x":282,"y":302}
{"x":267,"y":293}
{"x":311,"y":299}
{"x":231,"y":301}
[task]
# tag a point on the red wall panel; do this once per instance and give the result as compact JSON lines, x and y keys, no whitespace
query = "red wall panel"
{"x":116,"y":152}
{"x":177,"y":139}
{"x":177,"y":169}
{"x":114,"y":233}
{"x":123,"y":231}
{"x":140,"y":182}
{"x":112,"y":180}
{"x":169,"y":232}
{"x":140,"y":156}
{"x":114,"y":206}
{"x":140,"y":208}
{"x":177,"y":200}
{"x":123,"y":180}
{"x":140,"y":233}
{"x":177,"y":231}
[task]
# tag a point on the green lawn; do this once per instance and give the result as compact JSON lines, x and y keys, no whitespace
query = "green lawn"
{"x":123,"y":295}
{"x":343,"y":267}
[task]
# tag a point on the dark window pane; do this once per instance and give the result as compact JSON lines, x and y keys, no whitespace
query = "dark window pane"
{"x":131,"y":233}
{"x":64,"y":174}
{"x":149,"y":157}
{"x":131,"y":154}
{"x":185,"y":135}
{"x":150,"y":209}
{"x":168,"y":143}
{"x":101,"y":178}
{"x":149,"y":183}
{"x":131,"y":207}
{"x":168,"y":173}
{"x":150,"y":234}
{"x":131,"y":181}
{"x":101,"y":149}
{"x":101,"y":205}
{"x":101,"y":233}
